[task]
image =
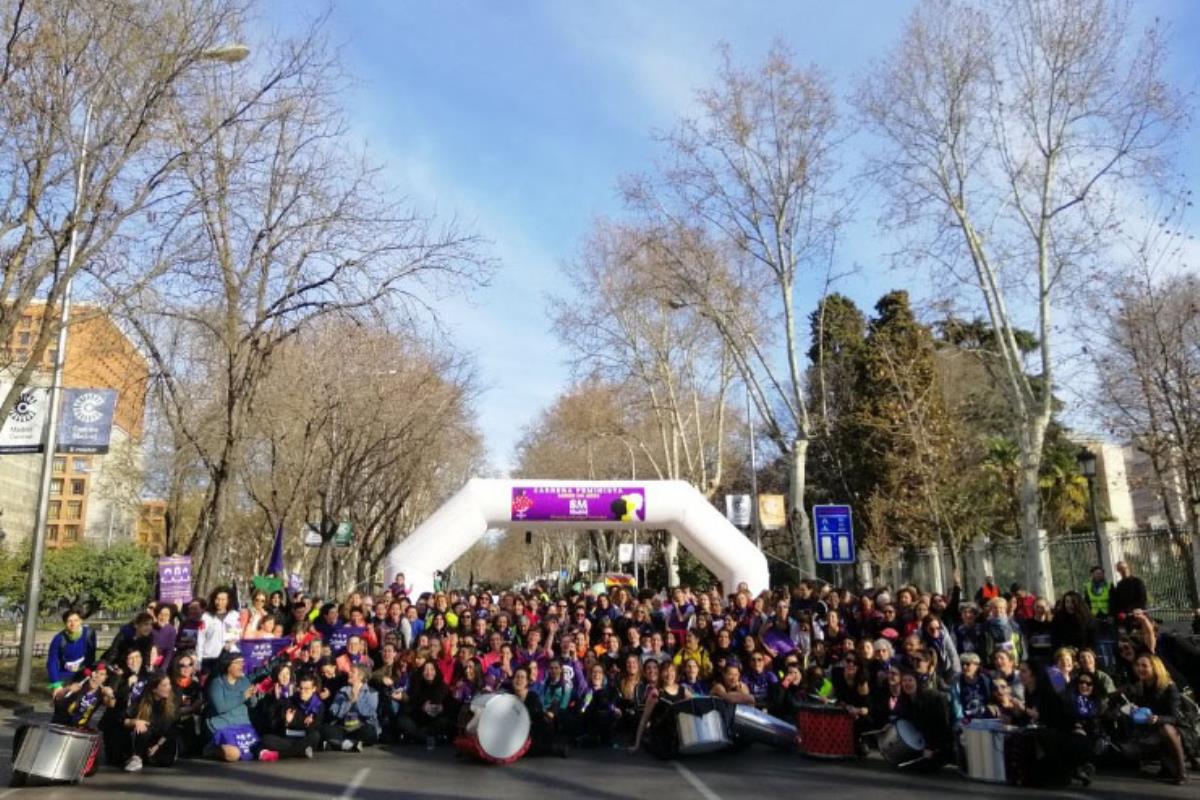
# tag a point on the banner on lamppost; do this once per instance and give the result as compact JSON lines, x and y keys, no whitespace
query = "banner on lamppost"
{"x":23,"y":430}
{"x":772,"y":512}
{"x":585,"y":565}
{"x":86,"y":420}
{"x":625,"y":552}
{"x":344,"y":534}
{"x":737,"y":510}
{"x":312,"y":535}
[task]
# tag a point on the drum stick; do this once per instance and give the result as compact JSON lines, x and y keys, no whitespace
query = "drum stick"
{"x":910,"y":763}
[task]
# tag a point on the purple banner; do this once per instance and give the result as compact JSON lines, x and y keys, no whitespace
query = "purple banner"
{"x":579,"y":503}
{"x":341,"y":634}
{"x":258,"y":652}
{"x":175,"y":580}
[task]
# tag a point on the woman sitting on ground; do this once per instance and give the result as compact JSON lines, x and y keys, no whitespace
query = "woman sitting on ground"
{"x":189,"y":703}
{"x":353,"y":714}
{"x":128,"y":688}
{"x":1157,"y":733}
{"x":151,"y":726}
{"x":228,"y":698}
{"x":295,"y":728}
{"x":429,"y":713}
{"x":929,"y":712}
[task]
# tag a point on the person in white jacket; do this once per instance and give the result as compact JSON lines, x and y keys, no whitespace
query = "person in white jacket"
{"x":220,"y":629}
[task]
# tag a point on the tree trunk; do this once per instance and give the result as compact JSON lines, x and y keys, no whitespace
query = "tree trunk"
{"x":806,"y":557}
{"x":1037,"y":574}
{"x":672,"y":560}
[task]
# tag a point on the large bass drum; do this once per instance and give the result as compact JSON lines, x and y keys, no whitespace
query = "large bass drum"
{"x":53,"y":754}
{"x":497,"y":729}
{"x":983,"y":743}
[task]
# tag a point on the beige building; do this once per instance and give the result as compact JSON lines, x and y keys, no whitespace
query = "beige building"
{"x":92,"y":497}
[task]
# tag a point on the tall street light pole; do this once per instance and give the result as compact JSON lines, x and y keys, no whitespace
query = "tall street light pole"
{"x":1087,"y":467}
{"x":228,"y":54}
{"x":755,"y":522}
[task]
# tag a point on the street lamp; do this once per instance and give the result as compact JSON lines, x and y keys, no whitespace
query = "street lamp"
{"x":228,"y":54}
{"x":1087,"y":468}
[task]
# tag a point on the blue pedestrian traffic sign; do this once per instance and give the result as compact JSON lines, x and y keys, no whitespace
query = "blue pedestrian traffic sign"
{"x":834,"y":530}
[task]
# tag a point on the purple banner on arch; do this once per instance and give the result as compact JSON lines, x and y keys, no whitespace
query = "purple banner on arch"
{"x":578,"y":503}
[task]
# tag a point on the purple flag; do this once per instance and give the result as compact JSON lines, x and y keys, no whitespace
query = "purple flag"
{"x":275,"y":567}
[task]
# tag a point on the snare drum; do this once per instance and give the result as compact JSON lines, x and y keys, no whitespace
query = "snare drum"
{"x":826,"y":731}
{"x":983,"y":744}
{"x":901,"y":743}
{"x":754,"y":725}
{"x":498,"y":729}
{"x":54,"y":753}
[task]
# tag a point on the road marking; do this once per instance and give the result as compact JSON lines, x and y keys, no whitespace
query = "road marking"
{"x":355,"y":782}
{"x":694,"y":780}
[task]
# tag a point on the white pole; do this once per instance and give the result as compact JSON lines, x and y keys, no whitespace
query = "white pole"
{"x":34,"y":592}
{"x":755,"y":522}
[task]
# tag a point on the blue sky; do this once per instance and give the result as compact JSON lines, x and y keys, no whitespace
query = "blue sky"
{"x":518,"y":117}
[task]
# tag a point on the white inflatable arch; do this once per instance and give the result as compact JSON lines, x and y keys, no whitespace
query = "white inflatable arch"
{"x":482,"y":504}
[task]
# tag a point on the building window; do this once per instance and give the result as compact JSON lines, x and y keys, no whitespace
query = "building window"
{"x":72,"y":533}
{"x":26,"y":321}
{"x":52,"y":533}
{"x":77,"y":486}
{"x":55,"y":509}
{"x":81,"y":464}
{"x":60,"y":463}
{"x":56,"y":485}
{"x":23,"y":338}
{"x":74,"y":509}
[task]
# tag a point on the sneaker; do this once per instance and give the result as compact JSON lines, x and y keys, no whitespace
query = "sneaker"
{"x":268,"y":755}
{"x":134,"y":764}
{"x":347,"y":746}
{"x":358,"y":747}
{"x":308,"y":751}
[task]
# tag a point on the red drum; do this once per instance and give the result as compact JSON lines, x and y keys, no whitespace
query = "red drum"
{"x":497,"y":731}
{"x":826,"y":731}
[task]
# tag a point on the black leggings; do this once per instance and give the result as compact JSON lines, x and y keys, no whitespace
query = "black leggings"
{"x":334,"y":733}
{"x":292,"y":746}
{"x":413,"y":730}
{"x":164,"y":756}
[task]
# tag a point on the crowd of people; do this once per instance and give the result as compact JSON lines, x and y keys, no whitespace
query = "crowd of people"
{"x":1091,"y":674}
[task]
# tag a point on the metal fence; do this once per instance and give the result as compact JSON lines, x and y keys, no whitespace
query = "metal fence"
{"x":1160,"y":559}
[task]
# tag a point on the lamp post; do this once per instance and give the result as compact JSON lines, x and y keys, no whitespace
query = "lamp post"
{"x":1087,"y":467}
{"x":228,"y":54}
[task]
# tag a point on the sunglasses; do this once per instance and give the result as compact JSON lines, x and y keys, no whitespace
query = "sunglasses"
{"x":1085,"y":683}
{"x":186,"y":664}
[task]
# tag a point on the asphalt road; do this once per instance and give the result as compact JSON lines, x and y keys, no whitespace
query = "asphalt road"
{"x":391,"y":772}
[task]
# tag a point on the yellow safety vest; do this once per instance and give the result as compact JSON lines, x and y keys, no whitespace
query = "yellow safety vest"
{"x":1098,"y":601}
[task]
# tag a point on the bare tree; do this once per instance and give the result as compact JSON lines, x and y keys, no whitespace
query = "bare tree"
{"x":756,"y":173}
{"x":1149,"y":363}
{"x":279,"y":225}
{"x":86,"y":90}
{"x":675,"y":368}
{"x":1011,"y":129}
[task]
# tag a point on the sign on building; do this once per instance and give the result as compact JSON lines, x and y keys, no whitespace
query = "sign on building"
{"x":834,"y":530}
{"x":86,"y":420}
{"x":585,"y":565}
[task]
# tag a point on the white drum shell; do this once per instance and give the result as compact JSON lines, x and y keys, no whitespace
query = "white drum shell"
{"x":55,"y":753}
{"x":756,"y":725}
{"x":983,"y":744}
{"x":701,"y":733}
{"x":500,"y":723}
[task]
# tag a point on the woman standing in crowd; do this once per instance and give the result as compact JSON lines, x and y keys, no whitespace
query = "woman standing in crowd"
{"x":218,"y":631}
